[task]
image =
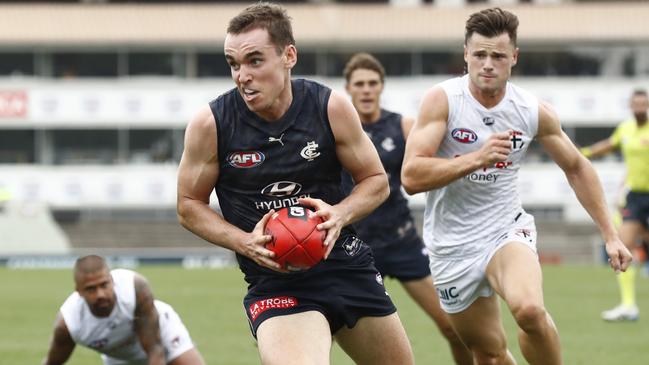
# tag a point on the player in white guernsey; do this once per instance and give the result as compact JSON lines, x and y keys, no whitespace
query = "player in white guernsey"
{"x":465,"y":151}
{"x":115,"y":314}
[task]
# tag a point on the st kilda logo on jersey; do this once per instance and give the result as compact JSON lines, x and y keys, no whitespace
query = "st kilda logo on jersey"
{"x":245,"y":159}
{"x":517,"y":141}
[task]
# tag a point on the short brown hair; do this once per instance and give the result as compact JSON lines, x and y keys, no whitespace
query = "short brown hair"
{"x":639,"y":92}
{"x":491,"y":23}
{"x":263,"y":15}
{"x":364,"y":61}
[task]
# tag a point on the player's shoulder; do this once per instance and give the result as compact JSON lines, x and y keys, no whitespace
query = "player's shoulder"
{"x":218,"y":106}
{"x":71,"y":311}
{"x":308,"y":91}
{"x":305,"y":89}
{"x":73,"y":301}
{"x":225,"y":96}
{"x":122,"y":274}
{"x":390,"y":115}
{"x":437,"y":96}
{"x":203,"y":123}
{"x":452,"y":87}
{"x":521,"y":96}
{"x":308,"y":83}
{"x":446,"y":93}
{"x":124,"y":281}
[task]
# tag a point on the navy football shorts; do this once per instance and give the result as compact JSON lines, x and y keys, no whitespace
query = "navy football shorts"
{"x":404,"y":260}
{"x":637,"y":208}
{"x":344,"y":288}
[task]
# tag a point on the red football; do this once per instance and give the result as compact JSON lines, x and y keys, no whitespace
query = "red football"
{"x":295,"y":240}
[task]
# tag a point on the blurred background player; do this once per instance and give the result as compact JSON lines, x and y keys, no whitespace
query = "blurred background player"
{"x":274,"y":142}
{"x":465,"y":150}
{"x":390,"y":229}
{"x":631,"y":137}
{"x":115,"y":313}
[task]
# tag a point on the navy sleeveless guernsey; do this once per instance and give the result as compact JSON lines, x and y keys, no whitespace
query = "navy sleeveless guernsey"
{"x":379,"y":228}
{"x":269,"y":165}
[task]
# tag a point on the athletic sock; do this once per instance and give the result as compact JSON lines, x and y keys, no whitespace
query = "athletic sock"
{"x":626,"y":281}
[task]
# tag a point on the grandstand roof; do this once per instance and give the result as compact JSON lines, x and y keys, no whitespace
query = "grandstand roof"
{"x":344,"y":25}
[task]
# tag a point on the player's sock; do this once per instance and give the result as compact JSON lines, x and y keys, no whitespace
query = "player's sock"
{"x":626,"y":281}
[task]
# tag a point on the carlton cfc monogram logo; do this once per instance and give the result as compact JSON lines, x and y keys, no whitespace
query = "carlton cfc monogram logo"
{"x":310,"y":152}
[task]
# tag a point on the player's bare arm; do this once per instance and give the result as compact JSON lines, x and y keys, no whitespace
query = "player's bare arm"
{"x":584,"y":181}
{"x":406,"y":126}
{"x":599,"y":149}
{"x":61,"y":345}
{"x":422,"y":170}
{"x":197,"y":173}
{"x":359,"y":157}
{"x":146,"y":323}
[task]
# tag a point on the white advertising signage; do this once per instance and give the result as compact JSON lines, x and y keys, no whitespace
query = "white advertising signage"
{"x":160,"y":103}
{"x":68,"y":187}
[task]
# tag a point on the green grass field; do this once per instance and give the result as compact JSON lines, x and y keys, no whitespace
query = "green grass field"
{"x":209,"y":301}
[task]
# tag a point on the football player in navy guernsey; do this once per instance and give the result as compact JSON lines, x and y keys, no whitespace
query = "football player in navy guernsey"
{"x":273,"y":142}
{"x":465,"y":150}
{"x":115,"y":314}
{"x":390,"y":229}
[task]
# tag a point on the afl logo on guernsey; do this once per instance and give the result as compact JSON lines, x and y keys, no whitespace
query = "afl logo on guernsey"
{"x":245,"y":159}
{"x":464,"y":135}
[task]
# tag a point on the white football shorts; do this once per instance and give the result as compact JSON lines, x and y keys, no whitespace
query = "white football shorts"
{"x":173,"y":334}
{"x":459,"y":282}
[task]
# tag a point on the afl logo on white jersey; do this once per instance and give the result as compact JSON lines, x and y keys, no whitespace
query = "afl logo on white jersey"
{"x":464,"y":135}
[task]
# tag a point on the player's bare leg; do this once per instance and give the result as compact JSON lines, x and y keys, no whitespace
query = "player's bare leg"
{"x":295,"y":339}
{"x":376,"y":341}
{"x":424,"y":294}
{"x":189,"y":357}
{"x":480,"y":328}
{"x":515,"y":274}
{"x":630,"y":233}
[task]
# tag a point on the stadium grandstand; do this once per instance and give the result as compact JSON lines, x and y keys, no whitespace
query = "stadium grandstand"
{"x":95,"y":95}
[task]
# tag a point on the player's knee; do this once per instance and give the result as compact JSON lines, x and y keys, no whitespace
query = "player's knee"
{"x":530,"y":316}
{"x":451,"y":336}
{"x":482,"y":357}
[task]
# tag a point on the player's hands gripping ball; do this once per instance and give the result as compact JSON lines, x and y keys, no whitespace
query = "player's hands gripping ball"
{"x":297,"y":243}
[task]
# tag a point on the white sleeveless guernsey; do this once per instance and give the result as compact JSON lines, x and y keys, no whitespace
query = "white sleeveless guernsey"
{"x":463,"y":218}
{"x":113,"y":335}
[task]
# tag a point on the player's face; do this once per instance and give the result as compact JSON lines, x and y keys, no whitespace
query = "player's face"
{"x":365,"y":87}
{"x":639,"y":106}
{"x":97,"y":290}
{"x":261,"y":74}
{"x":489,"y":61}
